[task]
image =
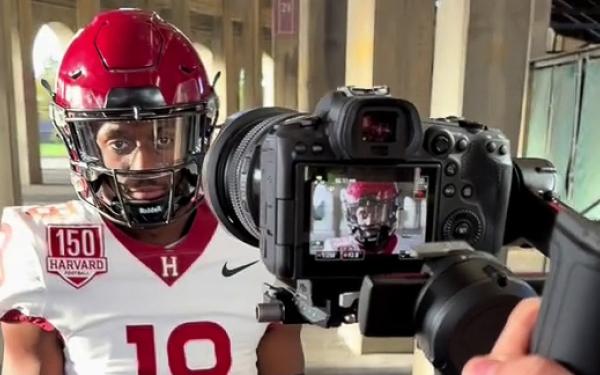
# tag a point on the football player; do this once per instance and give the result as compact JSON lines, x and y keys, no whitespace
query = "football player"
{"x":371,"y":210}
{"x":137,"y":276}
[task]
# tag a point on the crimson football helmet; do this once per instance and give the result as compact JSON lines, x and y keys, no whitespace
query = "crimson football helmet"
{"x":135,"y":109}
{"x":371,"y":209}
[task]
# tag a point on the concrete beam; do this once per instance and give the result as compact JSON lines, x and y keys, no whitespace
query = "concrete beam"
{"x":212,"y":8}
{"x":115,"y":4}
{"x":10,"y":190}
{"x":207,"y":7}
{"x":44,"y":12}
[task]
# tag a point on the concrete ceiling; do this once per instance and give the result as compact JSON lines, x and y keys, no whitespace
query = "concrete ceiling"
{"x":577,"y":18}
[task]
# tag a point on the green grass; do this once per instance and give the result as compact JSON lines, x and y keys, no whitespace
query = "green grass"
{"x":52,"y":150}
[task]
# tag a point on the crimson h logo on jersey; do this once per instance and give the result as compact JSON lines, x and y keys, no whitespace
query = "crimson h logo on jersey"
{"x":75,"y":253}
{"x":169,"y":266}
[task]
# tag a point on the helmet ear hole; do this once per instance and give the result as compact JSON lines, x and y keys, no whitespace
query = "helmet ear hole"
{"x":76,"y":74}
{"x":185,"y":69}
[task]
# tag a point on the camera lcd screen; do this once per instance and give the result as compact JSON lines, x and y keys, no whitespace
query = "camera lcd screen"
{"x":364,"y":212}
{"x":378,"y":126}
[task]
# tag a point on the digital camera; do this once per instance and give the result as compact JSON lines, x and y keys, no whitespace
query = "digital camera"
{"x":353,"y":188}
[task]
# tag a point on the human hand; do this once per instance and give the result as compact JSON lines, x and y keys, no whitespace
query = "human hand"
{"x":510,"y":354}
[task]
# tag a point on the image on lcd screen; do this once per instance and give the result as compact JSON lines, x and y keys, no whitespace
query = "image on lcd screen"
{"x":352,"y":218}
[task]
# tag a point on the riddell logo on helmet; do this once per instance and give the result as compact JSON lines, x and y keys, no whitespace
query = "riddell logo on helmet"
{"x":150,"y":210}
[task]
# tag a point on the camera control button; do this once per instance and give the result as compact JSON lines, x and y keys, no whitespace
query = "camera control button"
{"x":451,"y":168}
{"x":463,"y":225}
{"x":317,"y":148}
{"x":503,"y":150}
{"x":467,"y":191}
{"x":440,"y":144}
{"x":449,"y":190}
{"x":300,"y":148}
{"x":463,"y":230}
{"x":491,"y":147}
{"x":462,"y":144}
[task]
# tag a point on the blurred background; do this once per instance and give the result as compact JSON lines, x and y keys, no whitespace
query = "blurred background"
{"x":528,"y":67}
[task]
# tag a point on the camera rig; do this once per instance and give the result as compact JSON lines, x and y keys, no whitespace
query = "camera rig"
{"x":447,"y":288}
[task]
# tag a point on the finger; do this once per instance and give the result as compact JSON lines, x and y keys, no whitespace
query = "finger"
{"x":483,"y":365}
{"x":516,"y":336}
{"x":530,"y":365}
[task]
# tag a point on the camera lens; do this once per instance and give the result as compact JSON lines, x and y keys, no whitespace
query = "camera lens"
{"x":231,"y":170}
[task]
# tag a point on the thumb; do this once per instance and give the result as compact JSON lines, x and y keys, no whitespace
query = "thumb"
{"x":530,"y":365}
{"x":481,"y":366}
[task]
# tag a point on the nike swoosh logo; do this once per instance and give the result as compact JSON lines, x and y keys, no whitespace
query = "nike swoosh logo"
{"x":228,"y":272}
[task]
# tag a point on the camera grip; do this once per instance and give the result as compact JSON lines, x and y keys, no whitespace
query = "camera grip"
{"x":568,"y":327}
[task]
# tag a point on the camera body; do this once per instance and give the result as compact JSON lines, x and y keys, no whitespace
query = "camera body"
{"x":452,"y":178}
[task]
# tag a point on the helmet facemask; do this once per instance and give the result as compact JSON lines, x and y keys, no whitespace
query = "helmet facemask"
{"x":139,"y":168}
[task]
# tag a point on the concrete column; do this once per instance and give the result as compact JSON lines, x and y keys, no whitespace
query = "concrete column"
{"x":251,"y":59}
{"x":10,"y":190}
{"x":86,"y":11}
{"x":539,"y":35}
{"x":481,"y":59}
{"x":285,"y":52}
{"x":452,"y":21}
{"x":25,"y":94}
{"x":181,"y":15}
{"x":540,"y":24}
{"x":223,"y":48}
{"x":497,"y":56}
{"x":390,"y":42}
{"x":321,"y":49}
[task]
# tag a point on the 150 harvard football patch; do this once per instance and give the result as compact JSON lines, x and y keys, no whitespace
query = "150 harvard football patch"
{"x":76,"y":253}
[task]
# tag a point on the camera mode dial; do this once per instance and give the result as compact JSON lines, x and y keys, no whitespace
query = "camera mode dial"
{"x":463,"y":225}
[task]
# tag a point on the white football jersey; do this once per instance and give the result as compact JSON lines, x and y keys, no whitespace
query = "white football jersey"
{"x":124,"y":307}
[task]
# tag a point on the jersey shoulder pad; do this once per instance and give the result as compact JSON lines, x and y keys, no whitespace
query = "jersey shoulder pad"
{"x":22,"y":284}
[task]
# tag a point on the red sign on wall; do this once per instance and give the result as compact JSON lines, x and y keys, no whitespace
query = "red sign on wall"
{"x":285,"y":17}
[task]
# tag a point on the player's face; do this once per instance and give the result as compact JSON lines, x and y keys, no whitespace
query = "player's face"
{"x":139,"y":146}
{"x":372,"y":215}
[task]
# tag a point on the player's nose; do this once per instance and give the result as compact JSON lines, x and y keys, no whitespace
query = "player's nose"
{"x":144,"y":158}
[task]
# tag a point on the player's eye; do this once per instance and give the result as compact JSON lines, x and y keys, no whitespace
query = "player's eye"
{"x":362,"y":214}
{"x":164,"y":142}
{"x":121,"y":146}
